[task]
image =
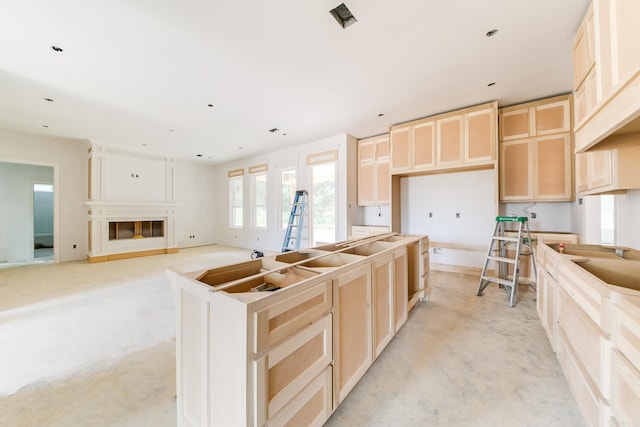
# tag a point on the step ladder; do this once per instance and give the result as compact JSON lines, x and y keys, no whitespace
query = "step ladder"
{"x":294,"y":228}
{"x":498,"y":254}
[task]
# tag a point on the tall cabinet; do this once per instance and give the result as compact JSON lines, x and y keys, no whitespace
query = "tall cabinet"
{"x":536,"y":151}
{"x":373,"y":171}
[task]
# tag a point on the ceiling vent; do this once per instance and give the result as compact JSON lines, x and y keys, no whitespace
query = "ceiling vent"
{"x":343,"y":15}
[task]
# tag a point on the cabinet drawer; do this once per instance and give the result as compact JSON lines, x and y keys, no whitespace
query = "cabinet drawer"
{"x":591,"y":294}
{"x":625,"y":391}
{"x":311,"y":407}
{"x":290,"y":366}
{"x":626,"y":335}
{"x":593,"y":407}
{"x":591,"y":347}
{"x":285,"y":317}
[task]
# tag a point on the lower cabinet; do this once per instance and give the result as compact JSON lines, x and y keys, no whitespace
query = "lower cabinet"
{"x":353,"y":346}
{"x":287,"y":357}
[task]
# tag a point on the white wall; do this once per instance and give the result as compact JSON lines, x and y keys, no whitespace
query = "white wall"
{"x":550,"y":216}
{"x":628,"y":233}
{"x":272,"y":238}
{"x":197,"y":205}
{"x":68,"y":157}
{"x":472,"y":194}
{"x":16,"y":214}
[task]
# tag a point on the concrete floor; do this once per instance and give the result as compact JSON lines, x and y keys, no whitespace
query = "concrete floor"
{"x":94,"y":344}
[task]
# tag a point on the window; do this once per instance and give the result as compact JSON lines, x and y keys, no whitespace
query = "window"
{"x":607,"y":219}
{"x":236,"y":213}
{"x":259,"y":190}
{"x":287,"y":193}
{"x":323,"y":202}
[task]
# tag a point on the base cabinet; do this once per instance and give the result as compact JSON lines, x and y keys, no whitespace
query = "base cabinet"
{"x":288,"y":356}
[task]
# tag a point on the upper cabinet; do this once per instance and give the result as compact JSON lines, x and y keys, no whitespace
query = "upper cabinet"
{"x":373,"y":171}
{"x":606,"y":58}
{"x":458,"y":139}
{"x":536,"y":151}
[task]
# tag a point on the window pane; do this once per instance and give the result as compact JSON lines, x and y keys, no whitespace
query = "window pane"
{"x":259,"y":191}
{"x":607,"y":219}
{"x":288,"y":191}
{"x":323,"y":181}
{"x":236,"y":201}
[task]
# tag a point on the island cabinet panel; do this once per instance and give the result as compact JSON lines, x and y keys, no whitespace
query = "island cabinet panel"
{"x":311,"y":407}
{"x":279,"y":320}
{"x":383,"y":303}
{"x":625,"y":391}
{"x":353,"y":344}
{"x":281,"y":340}
{"x":401,"y":286}
{"x":289,"y":367}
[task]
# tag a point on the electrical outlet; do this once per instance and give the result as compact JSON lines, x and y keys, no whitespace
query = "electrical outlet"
{"x":533,"y":215}
{"x":75,"y":246}
{"x":457,"y":214}
{"x":437,"y":250}
{"x":430,"y":214}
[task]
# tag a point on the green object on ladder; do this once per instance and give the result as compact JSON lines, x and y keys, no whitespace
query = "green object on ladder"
{"x":502,"y":260}
{"x":294,"y":228}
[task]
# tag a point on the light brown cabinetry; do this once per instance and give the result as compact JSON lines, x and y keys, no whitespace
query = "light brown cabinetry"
{"x":596,"y":333}
{"x":606,"y":70}
{"x":536,"y":151}
{"x":288,"y":356}
{"x":373,"y":171}
{"x":352,"y":314}
{"x":606,"y":170}
{"x":458,"y":139}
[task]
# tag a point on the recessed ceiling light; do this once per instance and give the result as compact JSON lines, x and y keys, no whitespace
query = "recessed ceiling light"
{"x":274,"y":130}
{"x":48,"y":99}
{"x":172,"y":130}
{"x":491,"y":33}
{"x":45,"y":126}
{"x":144,"y":145}
{"x":239,"y":148}
{"x":492,"y":84}
{"x":56,"y":48}
{"x":380,"y":114}
{"x":284,"y":134}
{"x":343,"y":15}
{"x":210,"y":105}
{"x":198,"y":155}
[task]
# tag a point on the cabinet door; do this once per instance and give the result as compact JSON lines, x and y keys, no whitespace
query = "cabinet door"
{"x":553,"y":168}
{"x":599,"y":168}
{"x":585,"y":97}
{"x":383,"y":305}
{"x":583,"y":49}
{"x":553,"y":118}
{"x":450,"y":137}
{"x":582,"y":177}
{"x":515,"y":124}
{"x":400,"y":149}
{"x":353,"y":345}
{"x":480,"y":136}
{"x":516,"y":174}
{"x":625,"y":390}
{"x":366,"y":183}
{"x":401,"y":286}
{"x":424,"y":145}
{"x":382,"y":195}
{"x":382,"y":148}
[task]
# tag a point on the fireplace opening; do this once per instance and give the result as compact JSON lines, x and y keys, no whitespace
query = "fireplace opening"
{"x":119,"y":230}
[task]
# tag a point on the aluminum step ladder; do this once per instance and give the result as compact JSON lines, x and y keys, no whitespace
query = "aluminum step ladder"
{"x":294,"y":228}
{"x":498,"y":254}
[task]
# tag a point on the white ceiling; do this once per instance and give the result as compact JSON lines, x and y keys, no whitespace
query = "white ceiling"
{"x":135,"y":72}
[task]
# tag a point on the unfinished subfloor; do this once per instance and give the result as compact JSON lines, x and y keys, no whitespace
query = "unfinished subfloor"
{"x":94,"y":344}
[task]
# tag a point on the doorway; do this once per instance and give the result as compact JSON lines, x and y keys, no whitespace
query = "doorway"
{"x":43,"y":221}
{"x":26,"y":217}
